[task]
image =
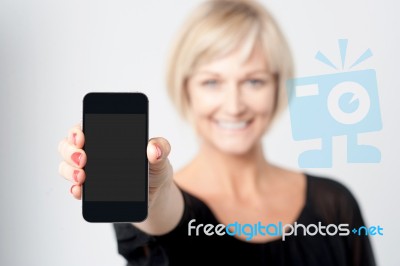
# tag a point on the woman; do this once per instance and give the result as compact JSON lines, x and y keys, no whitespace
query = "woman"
{"x":226,"y":75}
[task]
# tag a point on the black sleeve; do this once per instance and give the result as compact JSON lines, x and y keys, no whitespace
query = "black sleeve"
{"x":336,"y":204}
{"x":137,"y":247}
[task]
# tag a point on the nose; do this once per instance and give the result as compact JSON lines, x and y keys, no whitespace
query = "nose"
{"x":234,"y":103}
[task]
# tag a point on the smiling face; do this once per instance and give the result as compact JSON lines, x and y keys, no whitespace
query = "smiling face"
{"x":232,"y":101}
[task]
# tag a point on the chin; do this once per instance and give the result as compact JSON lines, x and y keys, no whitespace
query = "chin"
{"x":236,"y":149}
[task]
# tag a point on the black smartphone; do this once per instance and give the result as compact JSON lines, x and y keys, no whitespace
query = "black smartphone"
{"x":116,"y":135}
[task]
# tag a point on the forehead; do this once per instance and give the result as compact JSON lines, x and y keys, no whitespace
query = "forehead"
{"x":238,"y":61}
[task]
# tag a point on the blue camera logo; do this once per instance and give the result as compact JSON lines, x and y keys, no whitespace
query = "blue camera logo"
{"x":344,"y":103}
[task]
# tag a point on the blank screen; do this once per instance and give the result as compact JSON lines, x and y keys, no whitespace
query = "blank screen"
{"x":116,"y":166}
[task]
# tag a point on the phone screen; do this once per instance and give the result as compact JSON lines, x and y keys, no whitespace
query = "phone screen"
{"x":116,"y":135}
{"x":115,"y":150}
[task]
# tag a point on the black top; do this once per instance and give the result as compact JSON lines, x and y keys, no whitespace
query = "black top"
{"x":327,"y":202}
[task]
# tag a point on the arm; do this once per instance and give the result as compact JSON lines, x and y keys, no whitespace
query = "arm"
{"x":360,"y":248}
{"x":165,"y":199}
{"x":336,"y":204}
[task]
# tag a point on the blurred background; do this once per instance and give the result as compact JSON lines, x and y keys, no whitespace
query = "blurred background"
{"x":53,"y":52}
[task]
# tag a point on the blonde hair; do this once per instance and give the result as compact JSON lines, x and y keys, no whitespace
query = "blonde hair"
{"x":217,"y":28}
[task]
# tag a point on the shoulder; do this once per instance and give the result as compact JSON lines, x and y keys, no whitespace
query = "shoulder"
{"x":328,"y":188}
{"x":330,"y":198}
{"x":195,"y":208}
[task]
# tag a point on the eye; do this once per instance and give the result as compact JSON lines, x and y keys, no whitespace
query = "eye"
{"x":210,"y":83}
{"x":255,"y":83}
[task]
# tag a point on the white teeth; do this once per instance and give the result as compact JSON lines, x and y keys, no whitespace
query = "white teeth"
{"x":232,"y":125}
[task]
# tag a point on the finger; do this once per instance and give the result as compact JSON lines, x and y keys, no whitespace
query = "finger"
{"x":76,"y":136}
{"x":72,"y":155}
{"x":76,"y":191}
{"x":75,"y":175}
{"x":158,"y":150}
{"x":160,"y":168}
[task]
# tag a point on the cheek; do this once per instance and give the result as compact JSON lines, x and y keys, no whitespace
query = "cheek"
{"x":263,"y":104}
{"x":203,"y":104}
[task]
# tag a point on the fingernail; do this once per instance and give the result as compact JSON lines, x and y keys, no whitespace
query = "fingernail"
{"x":74,"y":138}
{"x":72,"y":188}
{"x":75,"y":175}
{"x":76,"y":157}
{"x":158,"y":152}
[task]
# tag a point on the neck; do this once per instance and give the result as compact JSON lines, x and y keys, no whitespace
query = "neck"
{"x":236,"y":175}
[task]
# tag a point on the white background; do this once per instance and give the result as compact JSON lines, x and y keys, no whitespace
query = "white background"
{"x":53,"y":52}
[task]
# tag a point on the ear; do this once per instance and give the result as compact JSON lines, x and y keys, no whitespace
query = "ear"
{"x":277,"y":93}
{"x":187,"y":110}
{"x":186,"y":92}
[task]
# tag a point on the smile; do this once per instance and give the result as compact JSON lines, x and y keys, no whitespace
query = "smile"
{"x":229,"y":125}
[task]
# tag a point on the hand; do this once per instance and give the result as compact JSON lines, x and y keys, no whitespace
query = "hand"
{"x":74,"y":159}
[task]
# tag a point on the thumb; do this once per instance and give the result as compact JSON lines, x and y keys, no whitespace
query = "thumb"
{"x":160,"y":169}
